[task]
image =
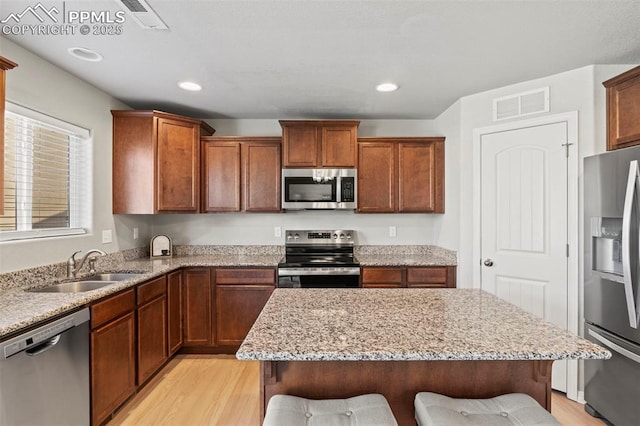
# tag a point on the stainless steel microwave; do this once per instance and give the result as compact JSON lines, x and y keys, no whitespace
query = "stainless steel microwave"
{"x":319,"y":189}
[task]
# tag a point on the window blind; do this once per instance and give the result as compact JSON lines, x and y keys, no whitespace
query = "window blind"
{"x":45,"y":174}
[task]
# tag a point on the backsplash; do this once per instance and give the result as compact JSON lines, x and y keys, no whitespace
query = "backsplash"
{"x":113,"y":261}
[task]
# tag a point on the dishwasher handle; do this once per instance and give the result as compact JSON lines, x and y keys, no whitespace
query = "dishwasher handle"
{"x":43,"y":347}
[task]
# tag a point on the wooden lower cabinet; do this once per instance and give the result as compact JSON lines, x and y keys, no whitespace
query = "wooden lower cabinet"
{"x":152,"y":328}
{"x":237,"y":308}
{"x":174,"y":311}
{"x":240,"y":296}
{"x":410,"y":277}
{"x":113,"y":354}
{"x":198,"y":307}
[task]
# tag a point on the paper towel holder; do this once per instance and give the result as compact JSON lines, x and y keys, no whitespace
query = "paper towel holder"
{"x":160,"y":246}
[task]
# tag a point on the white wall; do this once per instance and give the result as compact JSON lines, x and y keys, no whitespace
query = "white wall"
{"x":569,"y":91}
{"x":258,"y":228}
{"x":39,"y":85}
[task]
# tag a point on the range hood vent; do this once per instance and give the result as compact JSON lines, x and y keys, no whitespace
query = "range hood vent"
{"x":521,"y":104}
{"x":142,"y":13}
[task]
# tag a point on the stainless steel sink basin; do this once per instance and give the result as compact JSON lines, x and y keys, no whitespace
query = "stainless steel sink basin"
{"x":73,"y":286}
{"x":92,"y":282}
{"x":114,"y":276}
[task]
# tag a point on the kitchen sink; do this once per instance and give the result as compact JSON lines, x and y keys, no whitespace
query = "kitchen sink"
{"x":113,"y":276}
{"x":73,"y":286}
{"x":92,"y":282}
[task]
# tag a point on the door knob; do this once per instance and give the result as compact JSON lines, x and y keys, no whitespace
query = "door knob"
{"x":488,"y":262}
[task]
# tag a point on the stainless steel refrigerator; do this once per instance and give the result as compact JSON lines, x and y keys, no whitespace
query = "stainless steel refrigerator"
{"x":611,"y":290}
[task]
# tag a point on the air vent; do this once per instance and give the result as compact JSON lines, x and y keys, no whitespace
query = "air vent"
{"x":142,"y":13}
{"x":521,"y":104}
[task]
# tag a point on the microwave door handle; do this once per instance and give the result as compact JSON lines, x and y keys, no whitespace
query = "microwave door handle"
{"x":630,"y":200}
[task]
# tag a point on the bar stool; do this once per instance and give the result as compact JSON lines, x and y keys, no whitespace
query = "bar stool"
{"x":369,"y":409}
{"x":433,"y":409}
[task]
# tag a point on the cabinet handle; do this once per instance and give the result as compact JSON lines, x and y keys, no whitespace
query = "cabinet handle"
{"x":488,"y":263}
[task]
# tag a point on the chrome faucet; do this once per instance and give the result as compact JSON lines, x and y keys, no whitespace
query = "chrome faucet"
{"x":72,"y":269}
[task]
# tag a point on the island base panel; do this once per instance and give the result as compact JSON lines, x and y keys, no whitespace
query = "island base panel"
{"x":400,"y":381}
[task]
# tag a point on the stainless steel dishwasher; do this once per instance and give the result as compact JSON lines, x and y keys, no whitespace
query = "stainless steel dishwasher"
{"x":44,"y":374}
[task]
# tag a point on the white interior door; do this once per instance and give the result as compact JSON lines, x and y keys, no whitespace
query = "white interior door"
{"x":524,"y":222}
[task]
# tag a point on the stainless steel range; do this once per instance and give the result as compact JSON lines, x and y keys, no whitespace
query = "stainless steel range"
{"x":319,"y":259}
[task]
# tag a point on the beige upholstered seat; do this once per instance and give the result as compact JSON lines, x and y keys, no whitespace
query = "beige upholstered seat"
{"x":370,"y":409}
{"x":433,"y":409}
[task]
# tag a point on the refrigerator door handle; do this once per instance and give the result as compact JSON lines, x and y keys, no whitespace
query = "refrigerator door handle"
{"x":617,"y":348}
{"x":629,"y":202}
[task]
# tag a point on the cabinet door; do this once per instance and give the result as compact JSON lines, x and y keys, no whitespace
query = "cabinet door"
{"x":178,"y":168}
{"x":431,"y":277}
{"x":420,"y":178}
{"x":339,"y":146}
{"x":238,"y":307}
{"x":221,"y":163}
{"x":301,"y":146}
{"x":113,"y":366}
{"x":198,"y":307}
{"x":376,"y":177}
{"x":152,"y":337}
{"x":623,"y":110}
{"x":174,"y":311}
{"x":375,"y":277}
{"x":262,"y":177}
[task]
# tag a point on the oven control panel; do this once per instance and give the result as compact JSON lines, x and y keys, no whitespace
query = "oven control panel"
{"x":339,"y":236}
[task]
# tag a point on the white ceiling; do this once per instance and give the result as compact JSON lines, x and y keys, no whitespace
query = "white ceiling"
{"x":322,"y":59}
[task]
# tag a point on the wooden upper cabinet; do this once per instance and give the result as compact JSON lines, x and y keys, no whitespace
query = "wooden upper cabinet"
{"x":261,"y":175}
{"x":221,"y":169}
{"x":623,"y":109}
{"x":156,"y":162}
{"x":376,"y":177}
{"x":421,"y":177}
{"x":402,"y":175}
{"x":5,"y":65}
{"x":313,"y":143}
{"x":241,"y":174}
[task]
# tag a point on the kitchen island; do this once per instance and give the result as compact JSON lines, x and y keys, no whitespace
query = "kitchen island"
{"x":337,"y":343}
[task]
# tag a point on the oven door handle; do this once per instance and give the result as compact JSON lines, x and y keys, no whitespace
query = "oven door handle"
{"x":282,"y":272}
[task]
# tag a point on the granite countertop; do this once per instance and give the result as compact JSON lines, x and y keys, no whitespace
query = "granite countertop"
{"x":20,"y":308}
{"x":404,"y":324}
{"x":403,"y":256}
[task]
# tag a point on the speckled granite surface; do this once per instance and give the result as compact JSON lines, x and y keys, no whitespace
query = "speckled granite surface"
{"x":404,"y":324}
{"x":405,"y":256}
{"x":20,"y":308}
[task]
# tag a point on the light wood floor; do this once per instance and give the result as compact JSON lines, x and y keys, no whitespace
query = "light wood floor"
{"x":220,"y":390}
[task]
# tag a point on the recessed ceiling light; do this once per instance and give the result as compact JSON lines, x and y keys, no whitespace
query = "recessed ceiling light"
{"x":84,"y":54}
{"x":387,"y":87}
{"x":190,"y":86}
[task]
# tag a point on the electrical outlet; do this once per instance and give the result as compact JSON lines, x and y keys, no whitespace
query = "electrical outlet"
{"x":107,"y":236}
{"x":277,"y":232}
{"x":136,"y":233}
{"x":392,"y":231}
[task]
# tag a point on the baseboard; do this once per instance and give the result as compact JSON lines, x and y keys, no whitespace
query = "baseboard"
{"x":581,"y":397}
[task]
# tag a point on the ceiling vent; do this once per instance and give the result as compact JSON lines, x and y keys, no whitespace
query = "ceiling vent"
{"x":521,"y":104}
{"x":142,"y":13}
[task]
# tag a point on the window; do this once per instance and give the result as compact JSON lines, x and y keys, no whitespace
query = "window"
{"x":46,"y":177}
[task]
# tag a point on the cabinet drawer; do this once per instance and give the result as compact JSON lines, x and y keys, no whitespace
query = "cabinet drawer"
{"x":426,"y":275}
{"x":113,"y":307}
{"x":382,"y":275}
{"x":151,"y":290}
{"x":246,"y":276}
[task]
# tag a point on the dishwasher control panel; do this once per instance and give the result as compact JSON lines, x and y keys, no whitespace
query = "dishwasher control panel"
{"x":41,"y":334}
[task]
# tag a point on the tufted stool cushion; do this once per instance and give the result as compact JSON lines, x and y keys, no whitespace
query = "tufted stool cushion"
{"x":433,"y":409}
{"x":370,"y":409}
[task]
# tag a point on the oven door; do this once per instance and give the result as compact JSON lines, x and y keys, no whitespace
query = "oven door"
{"x":319,"y":277}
